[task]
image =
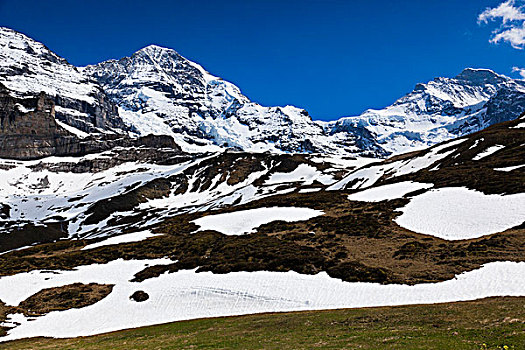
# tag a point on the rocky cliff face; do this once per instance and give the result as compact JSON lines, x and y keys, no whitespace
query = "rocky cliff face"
{"x":27,"y":68}
{"x":29,"y":130}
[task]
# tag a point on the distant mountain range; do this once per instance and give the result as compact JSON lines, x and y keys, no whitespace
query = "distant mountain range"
{"x":157,"y":91}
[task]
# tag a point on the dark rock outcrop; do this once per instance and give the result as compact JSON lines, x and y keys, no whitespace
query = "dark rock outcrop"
{"x":139,"y":296}
{"x":28,"y":130}
{"x":101,"y":115}
{"x":29,"y":67}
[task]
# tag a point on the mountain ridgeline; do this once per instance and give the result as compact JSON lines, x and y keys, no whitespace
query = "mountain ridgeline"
{"x":157,"y":91}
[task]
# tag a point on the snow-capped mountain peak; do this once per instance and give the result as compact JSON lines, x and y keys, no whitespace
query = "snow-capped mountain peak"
{"x":22,"y":58}
{"x":28,"y":67}
{"x":442,"y":109}
{"x":158,"y":91}
{"x":481,"y":76}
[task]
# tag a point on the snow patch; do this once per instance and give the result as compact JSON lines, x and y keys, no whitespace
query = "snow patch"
{"x":304,"y":173}
{"x":459,"y":213}
{"x":476,"y":143}
{"x":387,"y":192}
{"x":73,"y":130}
{"x":309,"y":190}
{"x":246,"y":221}
{"x":510,"y":168}
{"x":488,"y":152}
{"x":126,"y":238}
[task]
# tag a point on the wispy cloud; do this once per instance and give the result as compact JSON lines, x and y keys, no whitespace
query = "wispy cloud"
{"x":520,"y":71}
{"x":507,"y":11}
{"x":512,"y":28}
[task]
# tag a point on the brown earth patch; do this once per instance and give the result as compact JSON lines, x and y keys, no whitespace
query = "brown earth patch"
{"x":18,"y":236}
{"x":71,"y":296}
{"x":4,"y":311}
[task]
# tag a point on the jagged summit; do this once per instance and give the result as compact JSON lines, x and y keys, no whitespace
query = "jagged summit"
{"x":158,"y":90}
{"x":158,"y":53}
{"x":154,"y":47}
{"x":28,"y":67}
{"x":481,"y":76}
{"x":17,"y":40}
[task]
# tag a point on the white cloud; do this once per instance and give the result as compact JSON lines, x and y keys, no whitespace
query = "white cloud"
{"x":512,"y":17}
{"x":507,"y":11}
{"x":520,"y":71}
{"x":513,"y":35}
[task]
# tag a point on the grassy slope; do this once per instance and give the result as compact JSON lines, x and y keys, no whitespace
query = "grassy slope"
{"x":485,"y":324}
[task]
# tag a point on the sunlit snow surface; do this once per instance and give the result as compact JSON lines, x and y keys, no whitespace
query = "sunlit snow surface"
{"x":488,"y":152}
{"x":45,"y":71}
{"x":40,"y":195}
{"x":125,"y":238}
{"x":391,"y":191}
{"x":36,"y":193}
{"x":510,"y":168}
{"x":459,"y":213}
{"x":304,"y":173}
{"x":419,"y":119}
{"x":245,"y":221}
{"x":188,"y":295}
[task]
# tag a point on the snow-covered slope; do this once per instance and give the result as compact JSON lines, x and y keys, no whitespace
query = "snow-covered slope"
{"x":473,"y":198}
{"x":27,"y":67}
{"x":159,"y":91}
{"x":90,"y":195}
{"x":188,"y":295}
{"x":440,"y":110}
{"x":233,"y":232}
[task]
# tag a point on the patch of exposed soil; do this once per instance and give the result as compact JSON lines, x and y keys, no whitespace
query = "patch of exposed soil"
{"x":71,"y":296}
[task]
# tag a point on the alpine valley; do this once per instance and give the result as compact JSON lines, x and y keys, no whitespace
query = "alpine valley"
{"x":145,"y":190}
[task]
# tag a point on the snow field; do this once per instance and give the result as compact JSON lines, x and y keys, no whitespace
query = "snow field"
{"x":187,"y":295}
{"x":460,"y":213}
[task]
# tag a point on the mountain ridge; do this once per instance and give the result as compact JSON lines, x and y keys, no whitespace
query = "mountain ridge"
{"x":157,"y":91}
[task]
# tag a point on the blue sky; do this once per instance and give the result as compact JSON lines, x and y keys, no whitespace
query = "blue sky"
{"x":333,"y":58}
